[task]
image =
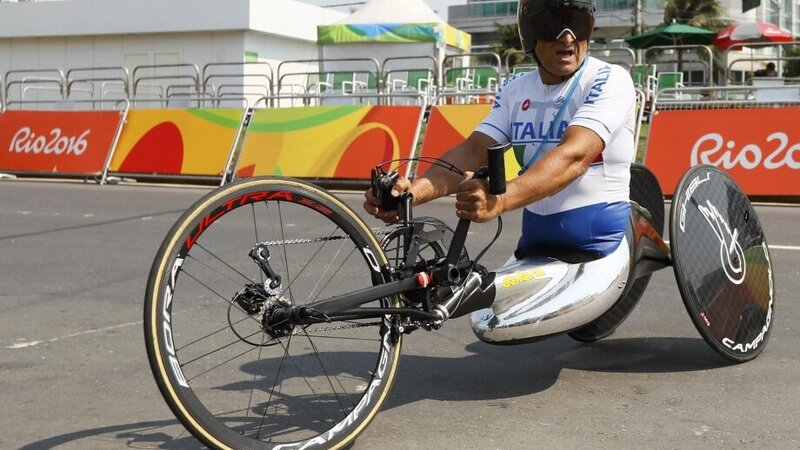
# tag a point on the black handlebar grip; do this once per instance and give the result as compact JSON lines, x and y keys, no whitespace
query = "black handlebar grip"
{"x":497,"y":168}
{"x":382,"y":185}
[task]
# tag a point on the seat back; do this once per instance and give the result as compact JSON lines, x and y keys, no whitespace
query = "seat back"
{"x":339,"y":78}
{"x":419,"y":79}
{"x":639,"y":75}
{"x":523,"y":68}
{"x":485,"y":77}
{"x":668,"y":80}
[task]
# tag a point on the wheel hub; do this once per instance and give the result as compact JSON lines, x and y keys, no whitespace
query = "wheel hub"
{"x":274,"y":314}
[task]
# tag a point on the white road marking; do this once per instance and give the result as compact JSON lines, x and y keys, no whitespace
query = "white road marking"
{"x":784,"y":247}
{"x":25,"y":344}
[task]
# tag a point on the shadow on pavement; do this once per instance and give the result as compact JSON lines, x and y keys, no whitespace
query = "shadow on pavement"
{"x":489,"y":373}
{"x":503,"y":372}
{"x":135,"y":435}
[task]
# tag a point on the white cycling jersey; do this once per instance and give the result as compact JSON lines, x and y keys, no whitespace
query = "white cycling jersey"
{"x":603,"y":101}
{"x":533,"y":117}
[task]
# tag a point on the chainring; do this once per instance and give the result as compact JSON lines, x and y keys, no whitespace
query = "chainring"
{"x":424,"y":239}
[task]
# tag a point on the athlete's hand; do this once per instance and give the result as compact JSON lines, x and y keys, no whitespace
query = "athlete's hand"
{"x":475,"y":203}
{"x":372,"y":204}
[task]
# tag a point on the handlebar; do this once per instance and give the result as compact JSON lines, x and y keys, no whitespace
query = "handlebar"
{"x":382,"y":184}
{"x":497,"y":168}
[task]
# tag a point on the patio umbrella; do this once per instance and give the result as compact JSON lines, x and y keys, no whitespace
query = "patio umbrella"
{"x":750,"y":33}
{"x":672,"y":34}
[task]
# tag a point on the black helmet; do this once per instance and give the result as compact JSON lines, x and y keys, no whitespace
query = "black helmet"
{"x":544,"y":20}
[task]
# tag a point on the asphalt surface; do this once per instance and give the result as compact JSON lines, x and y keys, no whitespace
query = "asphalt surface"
{"x":74,"y":260}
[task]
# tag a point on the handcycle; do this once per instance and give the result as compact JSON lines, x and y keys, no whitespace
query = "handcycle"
{"x":274,"y":316}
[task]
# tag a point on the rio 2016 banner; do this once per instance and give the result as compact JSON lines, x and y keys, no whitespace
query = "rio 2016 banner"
{"x":177,"y":141}
{"x":57,"y":142}
{"x":327,"y":141}
{"x":759,"y":147}
{"x":449,"y":125}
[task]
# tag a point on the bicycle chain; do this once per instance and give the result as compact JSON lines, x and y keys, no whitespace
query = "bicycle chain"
{"x":376,"y":232}
{"x":348,"y":326}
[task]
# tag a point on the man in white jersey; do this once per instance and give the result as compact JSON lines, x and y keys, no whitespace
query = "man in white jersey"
{"x":571,"y":125}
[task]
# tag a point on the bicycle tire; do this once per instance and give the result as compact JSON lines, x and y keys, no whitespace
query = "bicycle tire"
{"x":646,"y":191}
{"x":224,"y":405}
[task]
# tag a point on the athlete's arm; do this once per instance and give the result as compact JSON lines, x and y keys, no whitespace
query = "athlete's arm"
{"x":579,"y":147}
{"x":436,"y":181}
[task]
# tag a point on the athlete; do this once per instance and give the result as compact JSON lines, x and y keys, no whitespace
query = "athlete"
{"x":571,"y":125}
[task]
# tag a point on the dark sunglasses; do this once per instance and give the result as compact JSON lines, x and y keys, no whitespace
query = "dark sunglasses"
{"x":548,"y":24}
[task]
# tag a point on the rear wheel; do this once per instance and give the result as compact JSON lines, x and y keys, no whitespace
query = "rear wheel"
{"x":233,"y":380}
{"x":645,"y":191}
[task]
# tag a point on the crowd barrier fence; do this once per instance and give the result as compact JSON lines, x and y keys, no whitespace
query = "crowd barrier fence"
{"x":331,"y":142}
{"x":757,"y":143}
{"x":59,"y":143}
{"x":193,"y":143}
{"x":449,"y":124}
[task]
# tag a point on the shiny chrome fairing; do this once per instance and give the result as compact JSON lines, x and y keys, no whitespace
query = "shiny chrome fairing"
{"x":539,"y":296}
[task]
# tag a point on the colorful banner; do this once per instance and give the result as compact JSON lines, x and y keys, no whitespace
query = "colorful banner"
{"x":759,"y":147}
{"x":177,"y":141}
{"x":57,"y":142}
{"x":449,"y":125}
{"x":327,"y":141}
{"x":394,"y":32}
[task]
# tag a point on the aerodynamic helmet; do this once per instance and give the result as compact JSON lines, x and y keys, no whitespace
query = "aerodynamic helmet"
{"x":546,"y":20}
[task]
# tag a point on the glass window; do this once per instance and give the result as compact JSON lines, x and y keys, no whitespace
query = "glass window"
{"x":492,"y":8}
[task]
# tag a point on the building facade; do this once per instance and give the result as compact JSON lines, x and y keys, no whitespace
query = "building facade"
{"x":614,"y":18}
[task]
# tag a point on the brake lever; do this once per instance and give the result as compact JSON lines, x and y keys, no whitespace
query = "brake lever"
{"x":382,"y":184}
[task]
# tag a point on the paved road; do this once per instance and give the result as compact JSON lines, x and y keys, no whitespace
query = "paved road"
{"x":73,"y":373}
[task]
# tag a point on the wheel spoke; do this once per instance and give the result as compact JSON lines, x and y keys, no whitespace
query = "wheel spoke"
{"x":223,"y":362}
{"x":328,"y":376}
{"x":213,"y":255}
{"x":228,"y":302}
{"x":230,"y":364}
{"x":325,"y":272}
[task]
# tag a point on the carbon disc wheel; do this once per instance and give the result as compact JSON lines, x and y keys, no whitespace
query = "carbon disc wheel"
{"x":722,"y":263}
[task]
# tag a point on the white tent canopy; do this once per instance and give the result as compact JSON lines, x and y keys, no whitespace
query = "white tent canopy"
{"x":393,"y":11}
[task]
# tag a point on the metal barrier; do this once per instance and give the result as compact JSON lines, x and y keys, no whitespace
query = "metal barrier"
{"x":725,"y":97}
{"x":779,"y":58}
{"x":324,"y":91}
{"x":371,"y":63}
{"x":754,"y":141}
{"x":246,"y":79}
{"x":622,"y":56}
{"x":468,"y":81}
{"x":116,"y":74}
{"x":640,"y":107}
{"x":56,"y":137}
{"x":413,"y":79}
{"x":701,"y":50}
{"x":202,"y":138}
{"x":194,"y":85}
{"x":43,"y":76}
{"x":193,"y":75}
{"x":465,"y":97}
{"x":514,"y":55}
